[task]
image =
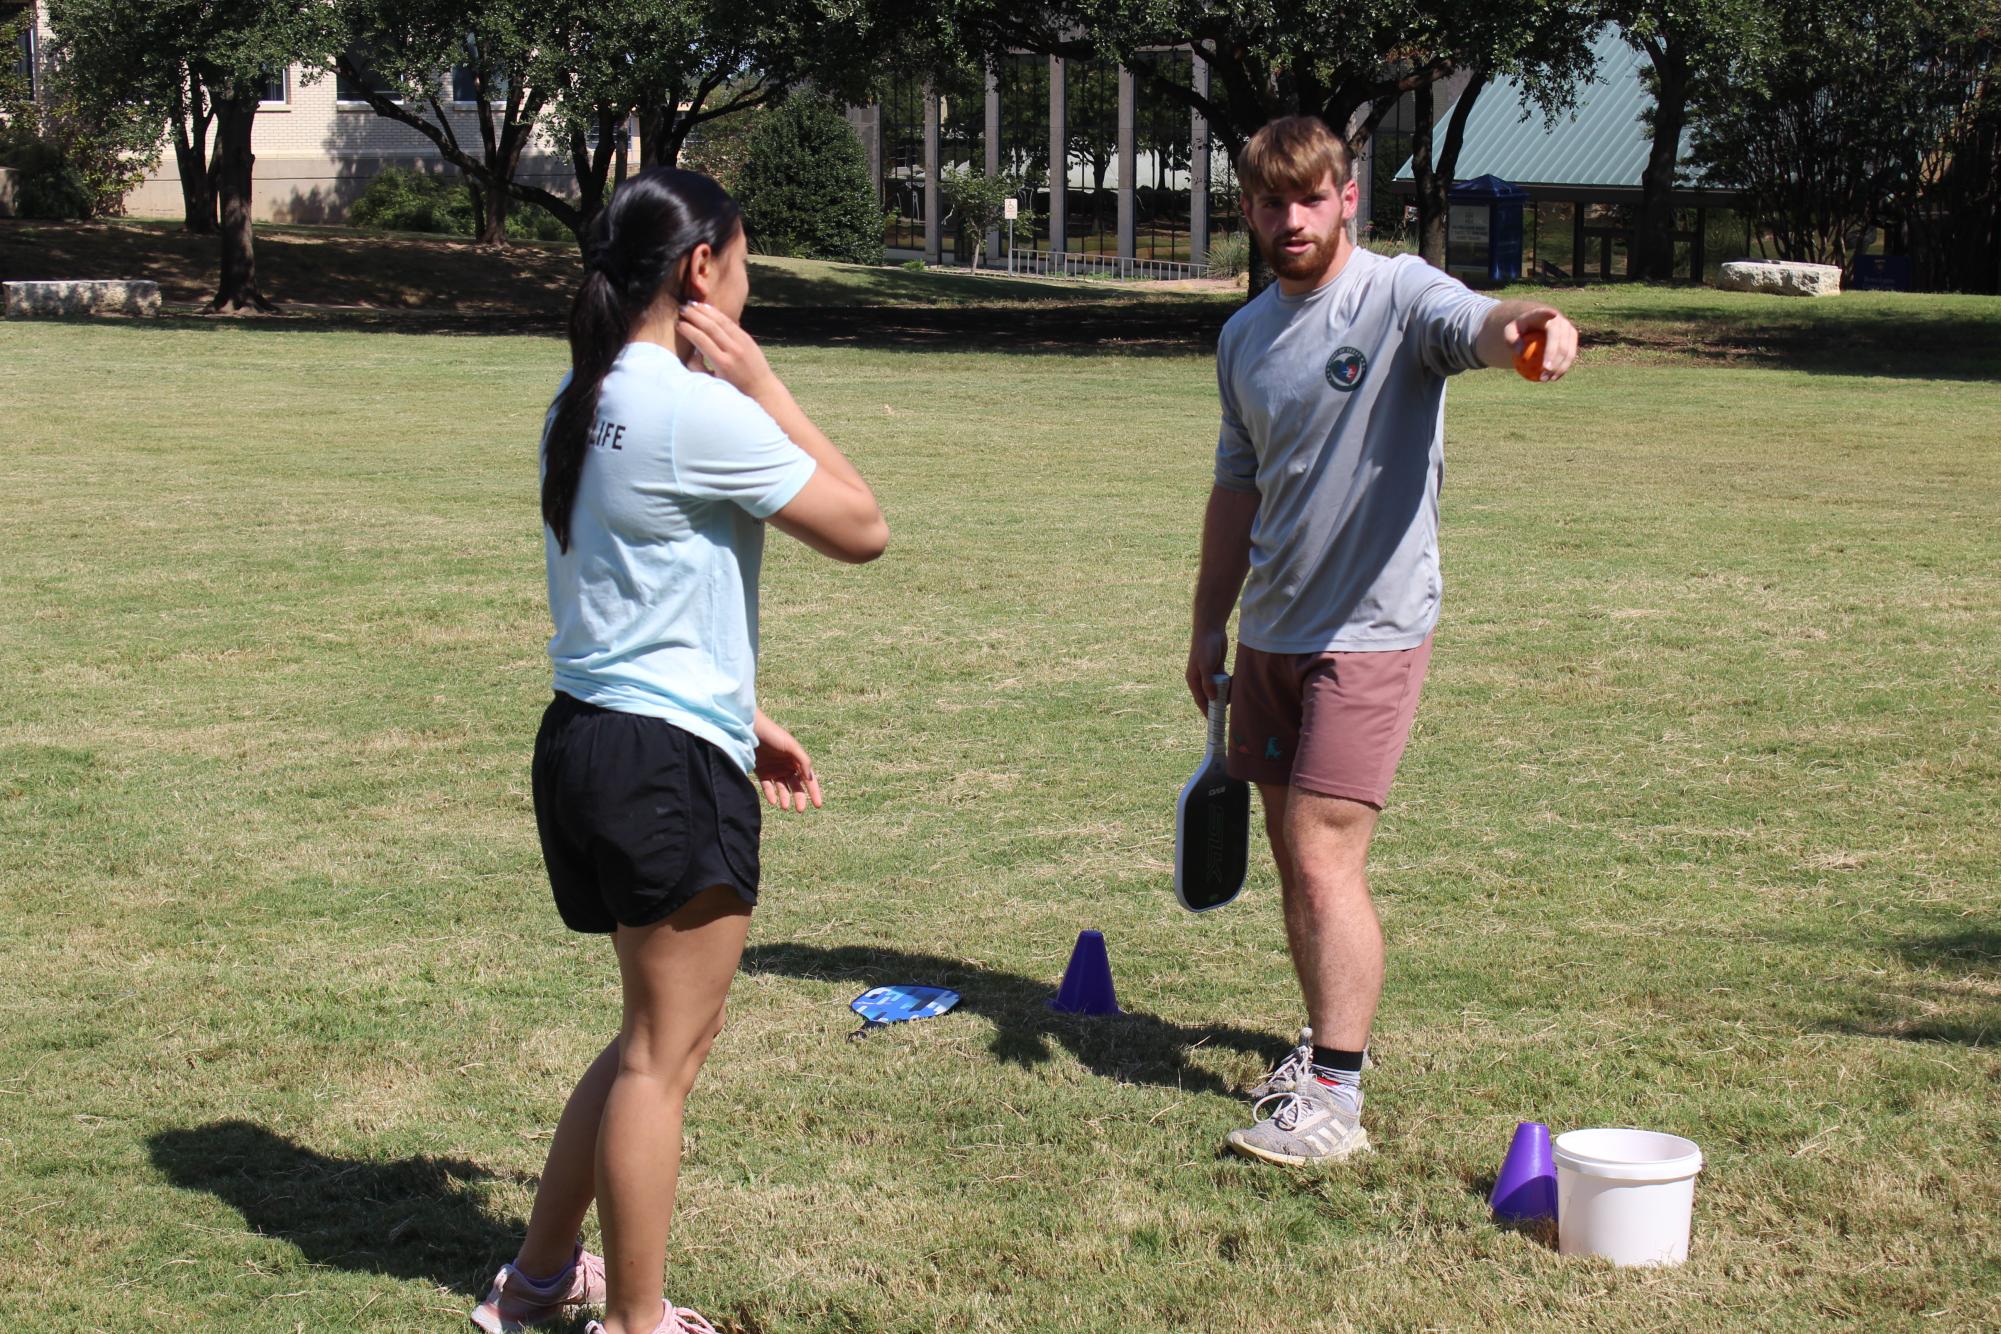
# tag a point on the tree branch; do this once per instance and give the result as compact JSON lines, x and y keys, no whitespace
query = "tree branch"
{"x":452,"y":153}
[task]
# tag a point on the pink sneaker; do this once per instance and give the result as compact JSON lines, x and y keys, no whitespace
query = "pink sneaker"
{"x":514,"y":1302}
{"x":675,"y":1320}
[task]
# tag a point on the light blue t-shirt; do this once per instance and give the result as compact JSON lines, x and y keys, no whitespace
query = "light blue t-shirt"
{"x":655,"y":602}
{"x":1334,"y":414}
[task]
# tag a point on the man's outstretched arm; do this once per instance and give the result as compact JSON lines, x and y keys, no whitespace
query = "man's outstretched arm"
{"x":1226,"y":559}
{"x":1507,"y":324}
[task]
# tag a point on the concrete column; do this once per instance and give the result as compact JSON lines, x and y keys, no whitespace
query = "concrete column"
{"x":934,"y":233}
{"x":993,"y":146}
{"x":1198,"y":170}
{"x":1128,"y":167}
{"x":1059,"y":158}
{"x":867,"y":122}
{"x":1363,"y":164}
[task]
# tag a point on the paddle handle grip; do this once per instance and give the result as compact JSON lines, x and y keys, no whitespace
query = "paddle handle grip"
{"x":1219,"y":704}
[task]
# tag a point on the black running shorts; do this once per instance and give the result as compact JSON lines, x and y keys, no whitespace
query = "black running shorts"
{"x":637,"y":816}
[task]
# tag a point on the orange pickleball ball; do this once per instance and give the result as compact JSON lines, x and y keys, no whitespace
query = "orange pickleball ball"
{"x":1528,"y":358}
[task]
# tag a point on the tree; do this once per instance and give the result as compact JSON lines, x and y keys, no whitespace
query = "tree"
{"x":80,"y":150}
{"x":218,"y":57}
{"x":805,"y":187}
{"x":1953,"y":225}
{"x":1845,"y":117}
{"x":398,"y":52}
{"x":978,"y":201}
{"x":1344,"y":61}
{"x":720,"y":149}
{"x":578,"y":72}
{"x":114,"y":68}
{"x":1543,"y":45}
{"x":1687,"y":42}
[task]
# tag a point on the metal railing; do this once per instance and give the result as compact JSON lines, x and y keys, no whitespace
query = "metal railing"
{"x":1076,"y":264}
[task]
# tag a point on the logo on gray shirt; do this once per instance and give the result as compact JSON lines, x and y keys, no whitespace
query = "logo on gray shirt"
{"x":1346,"y":368}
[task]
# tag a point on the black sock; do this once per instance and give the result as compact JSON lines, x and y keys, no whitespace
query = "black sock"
{"x":1329,"y":1058}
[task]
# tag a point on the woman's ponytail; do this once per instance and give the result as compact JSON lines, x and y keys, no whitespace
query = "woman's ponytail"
{"x":630,"y":250}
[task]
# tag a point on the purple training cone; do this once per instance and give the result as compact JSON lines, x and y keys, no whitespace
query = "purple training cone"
{"x":1526,"y":1189}
{"x":1087,"y":982}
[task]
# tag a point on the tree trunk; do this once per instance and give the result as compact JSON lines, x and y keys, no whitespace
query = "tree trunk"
{"x":1447,"y":166}
{"x":197,"y":188}
{"x":237,"y":292}
{"x":660,"y":137}
{"x":1653,"y":249}
{"x":494,"y":175}
{"x":1429,"y":191}
{"x":501,"y":146}
{"x":490,"y":208}
{"x":591,"y":168}
{"x":191,"y":121}
{"x":1445,"y":170}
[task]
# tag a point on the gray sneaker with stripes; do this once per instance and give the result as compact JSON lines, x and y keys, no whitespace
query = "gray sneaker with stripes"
{"x":1311,"y":1123}
{"x":1282,"y":1077}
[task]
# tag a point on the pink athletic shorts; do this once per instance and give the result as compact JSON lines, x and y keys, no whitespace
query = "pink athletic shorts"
{"x":1332,"y":723}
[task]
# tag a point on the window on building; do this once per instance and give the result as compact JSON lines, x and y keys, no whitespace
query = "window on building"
{"x":277,"y":87}
{"x":465,"y":85}
{"x":352,"y":90}
{"x":23,"y":61}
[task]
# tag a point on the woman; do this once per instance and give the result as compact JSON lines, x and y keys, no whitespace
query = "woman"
{"x":668,"y":448}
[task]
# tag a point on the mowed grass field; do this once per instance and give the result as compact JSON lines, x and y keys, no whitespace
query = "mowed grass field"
{"x":1700,"y":830}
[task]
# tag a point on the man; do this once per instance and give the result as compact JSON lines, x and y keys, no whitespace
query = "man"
{"x":1328,"y":467}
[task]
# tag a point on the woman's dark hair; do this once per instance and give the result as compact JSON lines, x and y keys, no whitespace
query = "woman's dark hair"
{"x":631,"y":250}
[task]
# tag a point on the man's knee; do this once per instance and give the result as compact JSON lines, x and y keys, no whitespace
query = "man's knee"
{"x":1329,"y":839}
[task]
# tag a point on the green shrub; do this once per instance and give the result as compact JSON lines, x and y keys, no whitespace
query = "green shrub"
{"x":532,"y":222}
{"x":719,"y":148}
{"x":401,"y":200}
{"x":47,"y":185}
{"x":78,"y":154}
{"x":1229,"y":254}
{"x":805,"y":186}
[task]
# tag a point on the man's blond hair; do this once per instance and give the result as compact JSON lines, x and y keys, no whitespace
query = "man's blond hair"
{"x":1292,"y":155}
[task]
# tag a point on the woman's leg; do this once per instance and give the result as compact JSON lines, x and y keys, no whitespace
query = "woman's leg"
{"x":677,"y":976}
{"x":569,"y":1178}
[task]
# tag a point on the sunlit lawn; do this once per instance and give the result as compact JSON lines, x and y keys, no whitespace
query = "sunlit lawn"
{"x":1698,"y":831}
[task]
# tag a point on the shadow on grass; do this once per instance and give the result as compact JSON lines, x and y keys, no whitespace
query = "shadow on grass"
{"x":414,"y":1218}
{"x":1942,"y":350}
{"x":1151,"y":328}
{"x":1960,"y":1009}
{"x":1158,"y":327}
{"x":1975,"y":950}
{"x":1935,"y":350}
{"x":1134,"y":1048}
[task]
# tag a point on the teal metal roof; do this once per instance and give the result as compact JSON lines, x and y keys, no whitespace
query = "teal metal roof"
{"x":1601,"y":143}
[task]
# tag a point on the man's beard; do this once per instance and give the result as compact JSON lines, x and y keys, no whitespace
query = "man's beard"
{"x":1309,"y":265}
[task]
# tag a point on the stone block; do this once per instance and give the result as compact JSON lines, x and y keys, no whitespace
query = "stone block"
{"x":104,"y":296}
{"x":1782,"y":278}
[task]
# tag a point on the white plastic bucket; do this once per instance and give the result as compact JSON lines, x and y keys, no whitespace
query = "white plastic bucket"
{"x":1627,"y":1195}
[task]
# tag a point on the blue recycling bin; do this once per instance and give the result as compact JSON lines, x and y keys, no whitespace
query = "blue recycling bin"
{"x":1483,"y":232}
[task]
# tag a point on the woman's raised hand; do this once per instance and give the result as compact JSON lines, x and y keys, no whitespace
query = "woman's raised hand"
{"x":732,"y":354}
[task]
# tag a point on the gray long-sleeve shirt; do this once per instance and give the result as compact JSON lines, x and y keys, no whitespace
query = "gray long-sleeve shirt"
{"x":1334,"y":414}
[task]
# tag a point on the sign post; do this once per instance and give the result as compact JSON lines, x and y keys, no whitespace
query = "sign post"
{"x":1010,"y":208}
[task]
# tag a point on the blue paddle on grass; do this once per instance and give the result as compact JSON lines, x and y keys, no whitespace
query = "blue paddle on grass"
{"x":881,"y":1006}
